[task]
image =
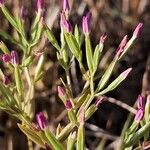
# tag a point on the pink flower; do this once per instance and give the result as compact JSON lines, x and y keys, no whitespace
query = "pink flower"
{"x":86,"y":23}
{"x":2,"y":2}
{"x":6,"y":58}
{"x":139,"y":115}
{"x":68,"y":104}
{"x":41,"y":120}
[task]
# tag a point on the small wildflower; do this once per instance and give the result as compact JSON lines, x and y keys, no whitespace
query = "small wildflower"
{"x":137,"y":30}
{"x":86,"y":23}
{"x":6,"y":58}
{"x":41,"y":120}
{"x":14,"y":56}
{"x":122,"y":45}
{"x":68,"y":104}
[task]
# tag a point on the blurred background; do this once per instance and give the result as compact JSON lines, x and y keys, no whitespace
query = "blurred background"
{"x":116,"y":18}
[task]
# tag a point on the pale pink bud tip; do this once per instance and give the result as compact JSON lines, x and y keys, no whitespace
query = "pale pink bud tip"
{"x":6,"y":58}
{"x":6,"y":80}
{"x":139,"y":115}
{"x":122,"y":45}
{"x":41,"y":120}
{"x":86,"y":23}
{"x":103,"y":38}
{"x":40,"y":4}
{"x":68,"y":104}
{"x":126,"y":72}
{"x":82,"y":116}
{"x":61,"y":91}
{"x":74,"y":135}
{"x":137,"y":30}
{"x":65,"y":5}
{"x":14,"y":56}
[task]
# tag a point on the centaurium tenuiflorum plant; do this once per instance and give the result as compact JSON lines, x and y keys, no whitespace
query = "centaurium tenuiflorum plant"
{"x":19,"y":102}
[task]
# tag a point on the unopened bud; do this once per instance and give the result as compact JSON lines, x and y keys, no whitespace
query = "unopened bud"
{"x":68,"y":104}
{"x":61,"y":91}
{"x":66,"y":5}
{"x":41,"y":120}
{"x":103,"y":38}
{"x":14,"y":57}
{"x":6,"y":58}
{"x":125,"y":73}
{"x":137,"y":30}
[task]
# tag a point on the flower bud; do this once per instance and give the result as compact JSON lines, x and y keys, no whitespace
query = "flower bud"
{"x":41,"y":120}
{"x":122,"y":45}
{"x":61,"y":91}
{"x":139,"y":115}
{"x":140,"y":102}
{"x":103,"y":38}
{"x":64,"y":23}
{"x":40,"y":4}
{"x":66,"y":5}
{"x":137,"y":30}
{"x":86,"y":23}
{"x":125,"y":73}
{"x":68,"y":104}
{"x":14,"y":56}
{"x":6,"y":58}
{"x":2,"y":2}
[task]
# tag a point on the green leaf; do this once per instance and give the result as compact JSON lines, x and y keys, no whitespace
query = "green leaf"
{"x":96,"y":57}
{"x":106,"y":75}
{"x":18,"y":81}
{"x":71,"y":141}
{"x":73,"y":46}
{"x":80,"y":137}
{"x":33,"y":135}
{"x":53,"y":141}
{"x":52,"y":38}
{"x":9,"y":17}
{"x":65,"y":132}
{"x":115,"y":83}
{"x":4,"y":48}
{"x":77,"y":34}
{"x":89,"y":55}
{"x":39,"y":67}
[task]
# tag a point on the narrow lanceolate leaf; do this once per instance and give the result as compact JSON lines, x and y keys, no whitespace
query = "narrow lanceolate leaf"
{"x":65,"y":132}
{"x":71,"y":141}
{"x":39,"y":67}
{"x":33,"y":135}
{"x":4,"y":48}
{"x":106,"y":75}
{"x":73,"y":46}
{"x":90,"y":111}
{"x":116,"y":82}
{"x":89,"y":55}
{"x":18,"y":80}
{"x":52,"y":38}
{"x":96,"y":57}
{"x":76,"y":34}
{"x":138,"y":135}
{"x":9,"y":17}
{"x":53,"y":141}
{"x":81,"y":132}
